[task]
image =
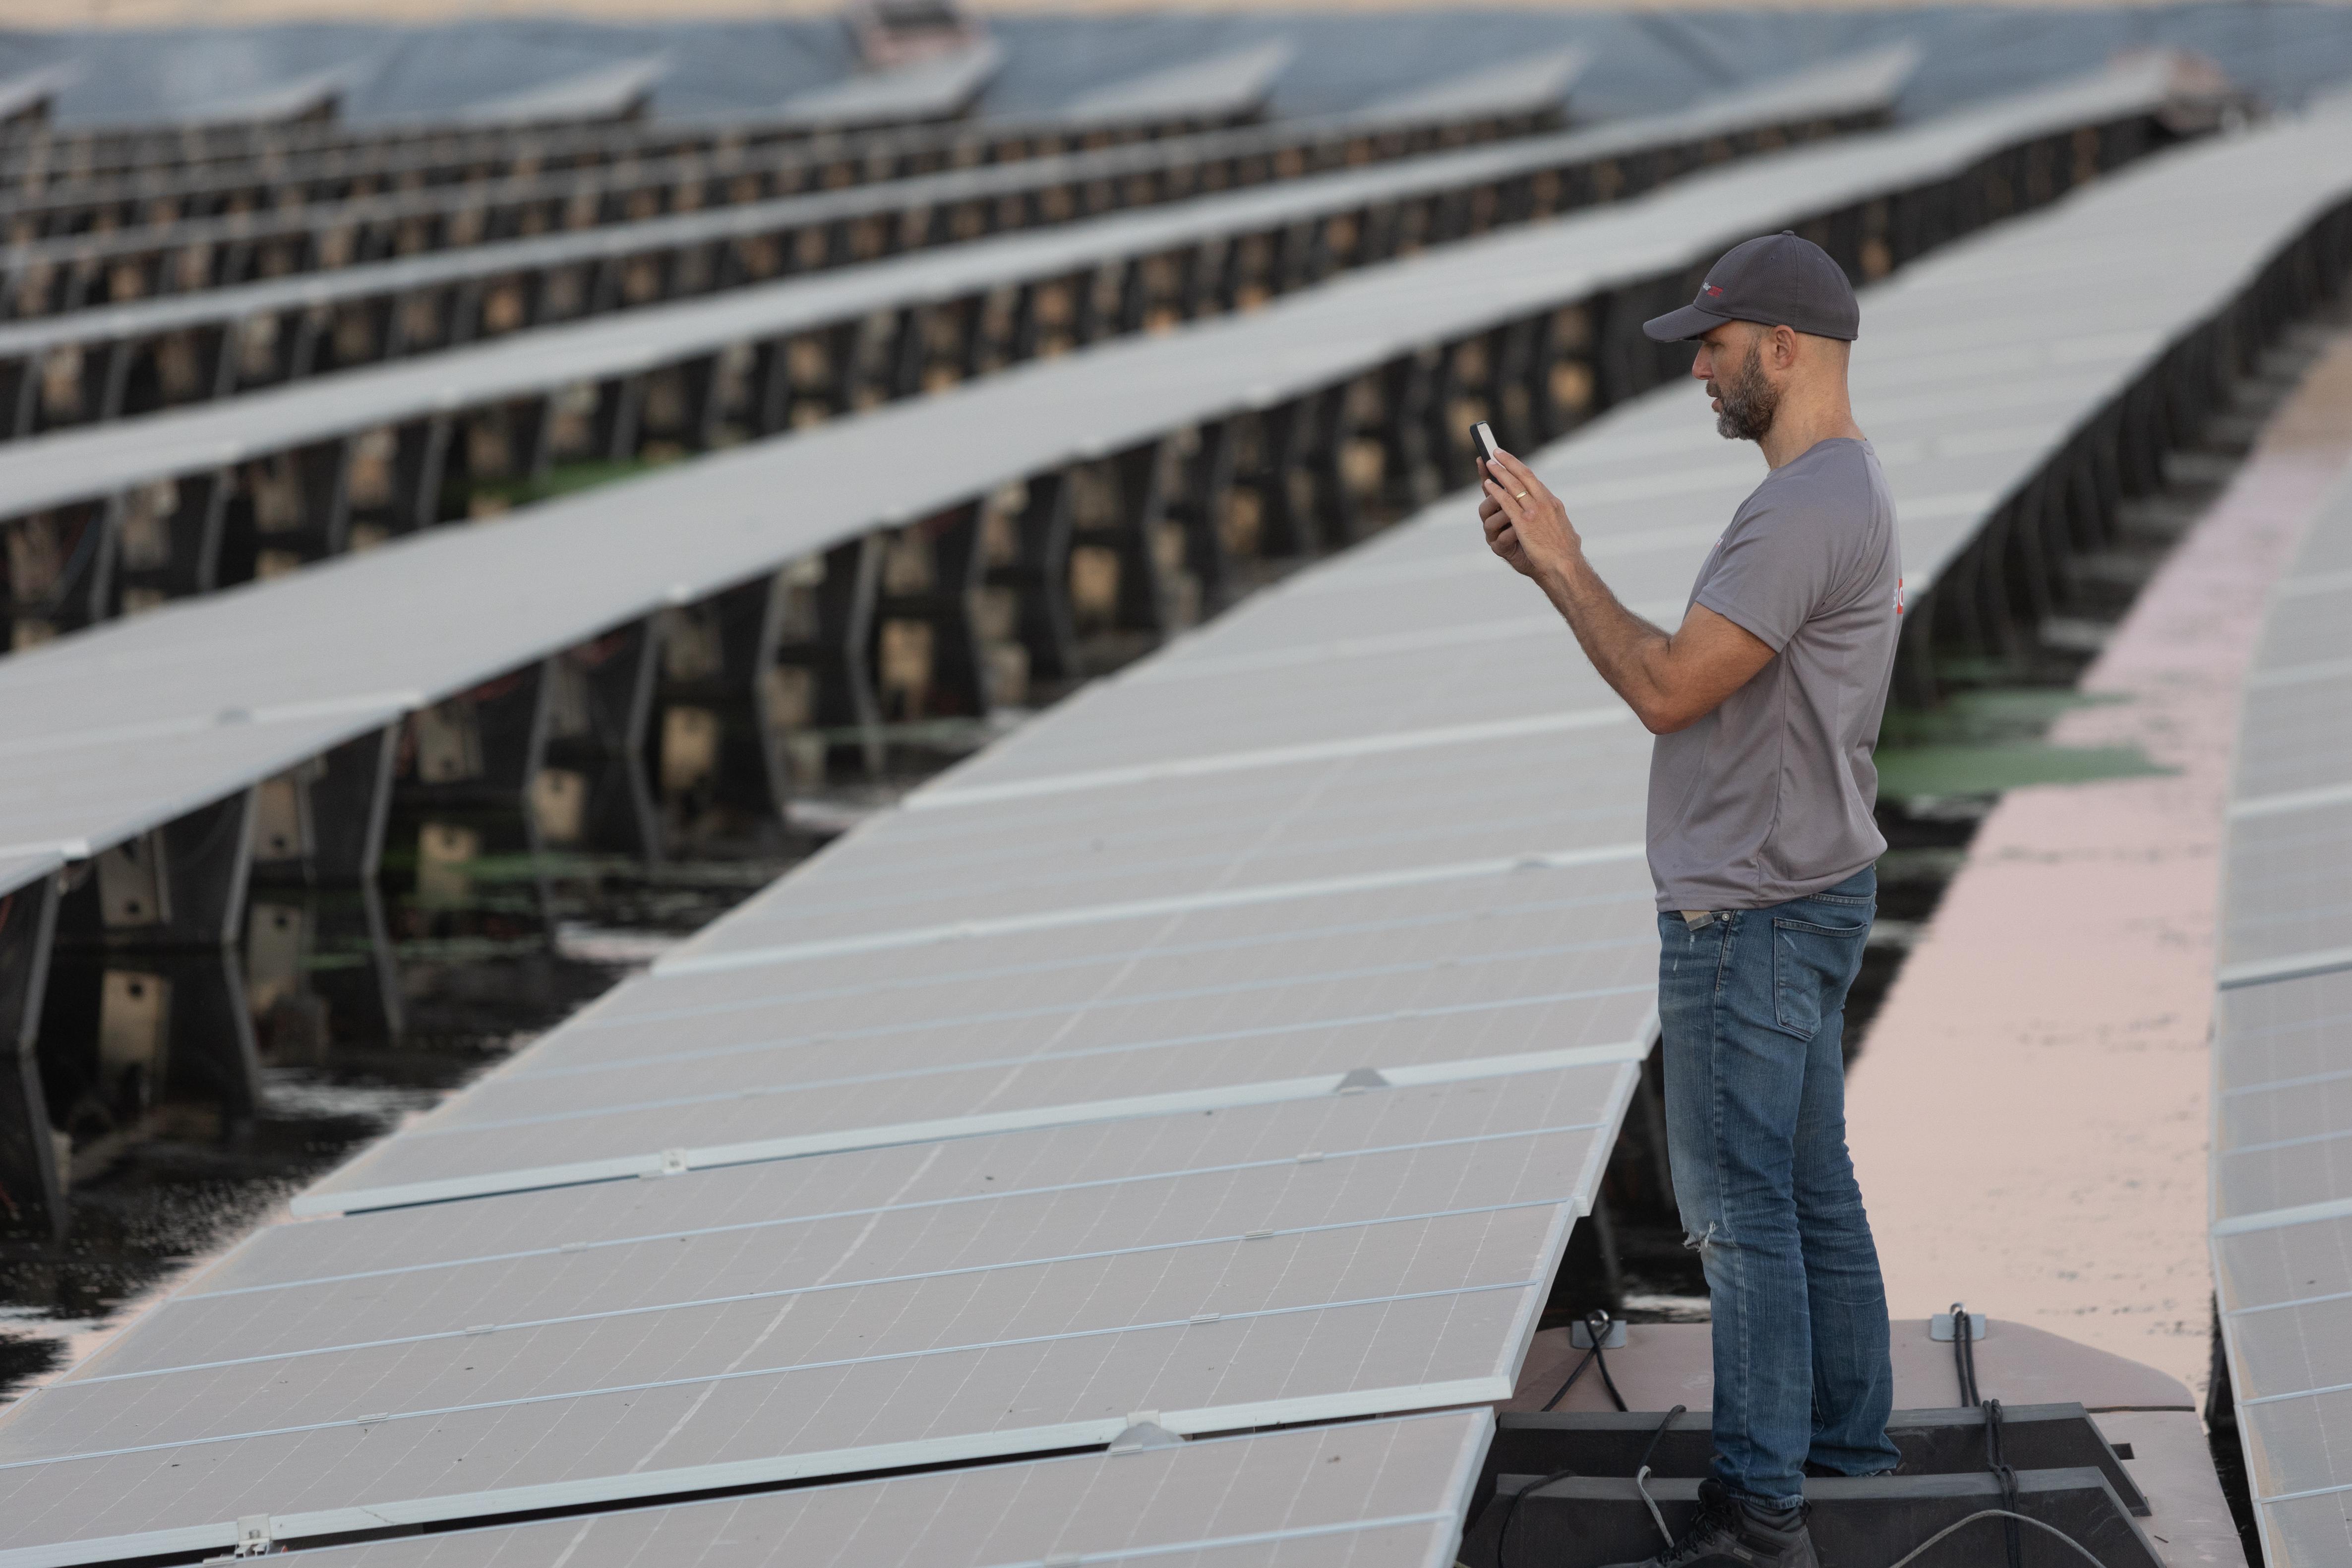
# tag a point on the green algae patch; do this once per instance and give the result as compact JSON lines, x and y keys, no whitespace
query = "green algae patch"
{"x":1983,"y":742}
{"x":1912,"y":772}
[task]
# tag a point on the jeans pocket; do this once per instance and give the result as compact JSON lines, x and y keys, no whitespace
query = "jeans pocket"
{"x":1812,"y":964}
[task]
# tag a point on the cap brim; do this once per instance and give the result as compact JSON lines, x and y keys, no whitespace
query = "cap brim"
{"x":1679,"y":326}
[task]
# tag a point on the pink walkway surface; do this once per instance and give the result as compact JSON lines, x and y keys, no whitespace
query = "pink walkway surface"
{"x":2028,"y":1113}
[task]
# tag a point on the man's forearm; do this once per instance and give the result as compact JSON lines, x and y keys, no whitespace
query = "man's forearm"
{"x":1626,"y":649}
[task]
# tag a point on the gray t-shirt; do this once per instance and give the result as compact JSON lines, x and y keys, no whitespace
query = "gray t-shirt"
{"x":1770,"y":797}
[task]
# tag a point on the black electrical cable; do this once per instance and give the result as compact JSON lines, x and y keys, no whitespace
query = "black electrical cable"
{"x":1964,"y":1356}
{"x":1964,"y":1362}
{"x":1511,"y":1510}
{"x":1561,"y":1392}
{"x":1998,"y":1462}
{"x":1503,"y":1536}
{"x":1657,"y":1435}
{"x":1596,"y":1328}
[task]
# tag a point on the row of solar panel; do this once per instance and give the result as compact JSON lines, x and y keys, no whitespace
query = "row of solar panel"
{"x":723,"y":529}
{"x":168,"y":249}
{"x":1232,"y":1045}
{"x":2282,"y":1170}
{"x":274,"y":142}
{"x":766,"y":359}
{"x":217,"y":273}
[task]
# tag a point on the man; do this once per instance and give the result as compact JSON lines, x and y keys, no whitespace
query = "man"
{"x":1766,"y":704}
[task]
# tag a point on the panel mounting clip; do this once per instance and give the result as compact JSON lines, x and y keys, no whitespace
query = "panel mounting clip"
{"x":253,"y":1538}
{"x":1580,"y":1335}
{"x":1940,"y":1327}
{"x":1143,"y":1432}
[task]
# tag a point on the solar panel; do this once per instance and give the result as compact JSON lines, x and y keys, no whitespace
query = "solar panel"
{"x":866,"y":1309}
{"x":607,"y":92}
{"x":936,"y":88}
{"x":2282,"y":1169}
{"x":1382,"y":1494}
{"x":1536,"y":81}
{"x":1228,"y":85}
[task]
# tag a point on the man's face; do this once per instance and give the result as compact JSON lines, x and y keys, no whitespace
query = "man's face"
{"x":1730,"y":361}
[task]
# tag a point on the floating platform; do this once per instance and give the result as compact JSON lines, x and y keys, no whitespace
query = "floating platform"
{"x":2109,"y":1451}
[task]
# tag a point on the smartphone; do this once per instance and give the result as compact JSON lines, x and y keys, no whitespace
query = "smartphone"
{"x":1482,"y":435}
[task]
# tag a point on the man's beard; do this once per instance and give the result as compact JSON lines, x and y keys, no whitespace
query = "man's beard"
{"x":1749,"y":401}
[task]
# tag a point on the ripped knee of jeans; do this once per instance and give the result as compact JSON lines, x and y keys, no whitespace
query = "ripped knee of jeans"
{"x":1702,"y":1242}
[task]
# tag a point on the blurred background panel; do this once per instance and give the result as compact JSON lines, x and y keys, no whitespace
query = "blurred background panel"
{"x":147,"y":60}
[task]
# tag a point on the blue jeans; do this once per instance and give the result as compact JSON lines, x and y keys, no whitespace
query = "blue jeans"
{"x":1751,"y":1008}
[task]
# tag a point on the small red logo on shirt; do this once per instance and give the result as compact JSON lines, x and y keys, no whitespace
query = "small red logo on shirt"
{"x":1898,"y":596}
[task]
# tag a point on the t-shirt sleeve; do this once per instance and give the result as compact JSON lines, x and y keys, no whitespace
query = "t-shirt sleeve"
{"x":1773,"y":571}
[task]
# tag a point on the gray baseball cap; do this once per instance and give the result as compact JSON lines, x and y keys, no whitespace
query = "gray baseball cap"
{"x":1778,"y":280}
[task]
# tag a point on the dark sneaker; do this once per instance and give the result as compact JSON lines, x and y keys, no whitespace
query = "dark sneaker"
{"x":1729,"y":1535}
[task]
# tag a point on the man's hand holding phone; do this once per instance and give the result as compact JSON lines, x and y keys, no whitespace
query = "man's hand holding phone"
{"x":1526,"y":523}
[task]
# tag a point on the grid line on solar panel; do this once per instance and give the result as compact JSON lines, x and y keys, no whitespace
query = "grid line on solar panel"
{"x":615,"y":1010}
{"x":535,"y":1067}
{"x":1395,"y":799}
{"x":683,"y":963}
{"x":1056,"y":1189}
{"x":1276,"y":756}
{"x":2295,"y":1178}
{"x":1232,"y":1238}
{"x":495,"y":1171}
{"x":1556,"y":944}
{"x":472,"y":1123}
{"x":2299,"y":1351}
{"x":868,"y":890}
{"x":2293,"y":1440}
{"x":1359,"y":803}
{"x":603,"y":1066}
{"x":2289,"y":885}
